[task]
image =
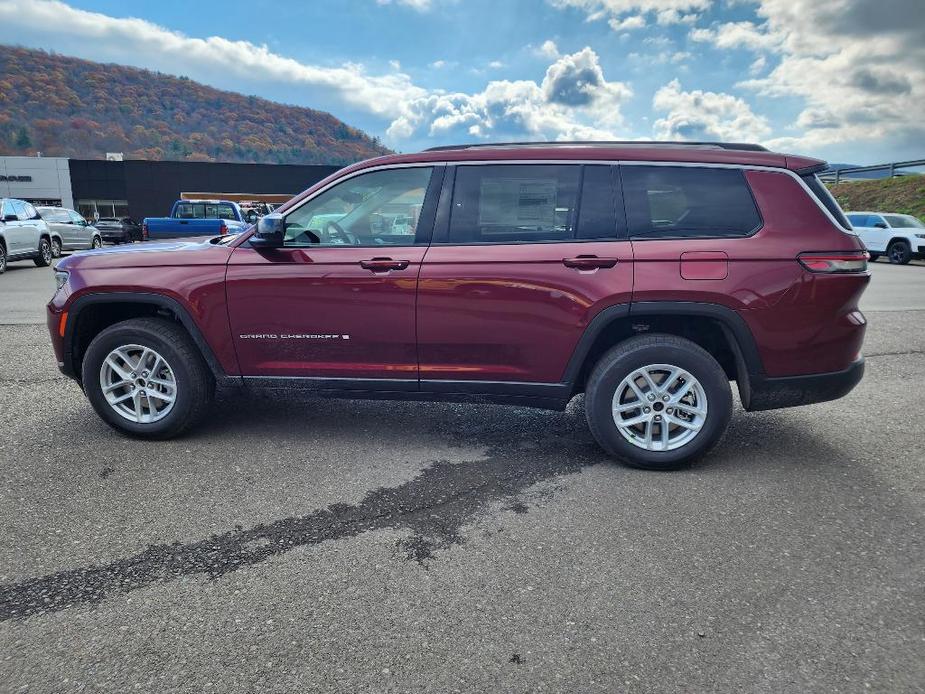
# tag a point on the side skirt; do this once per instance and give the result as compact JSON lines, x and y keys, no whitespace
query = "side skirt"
{"x":547,"y":396}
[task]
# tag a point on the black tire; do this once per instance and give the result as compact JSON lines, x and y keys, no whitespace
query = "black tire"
{"x":97,"y":242}
{"x":2,"y":258}
{"x":874,"y":257}
{"x":194,"y":382}
{"x":899,"y":253}
{"x":44,"y":258}
{"x":56,"y":248}
{"x":635,"y":353}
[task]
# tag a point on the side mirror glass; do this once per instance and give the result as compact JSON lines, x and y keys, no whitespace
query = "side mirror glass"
{"x":269,"y":232}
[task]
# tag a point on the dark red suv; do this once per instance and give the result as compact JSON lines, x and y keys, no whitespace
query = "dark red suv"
{"x":645,"y":275}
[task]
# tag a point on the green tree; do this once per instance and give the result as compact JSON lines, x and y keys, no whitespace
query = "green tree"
{"x":22,"y":138}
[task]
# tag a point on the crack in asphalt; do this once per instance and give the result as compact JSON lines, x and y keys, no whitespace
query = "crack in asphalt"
{"x":434,"y":507}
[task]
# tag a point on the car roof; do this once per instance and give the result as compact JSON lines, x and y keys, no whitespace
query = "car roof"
{"x":685,"y":152}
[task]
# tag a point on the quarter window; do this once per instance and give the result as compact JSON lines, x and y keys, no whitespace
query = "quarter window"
{"x":688,"y":202}
{"x":380,"y":208}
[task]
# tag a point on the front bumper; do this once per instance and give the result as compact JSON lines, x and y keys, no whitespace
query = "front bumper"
{"x":793,"y":391}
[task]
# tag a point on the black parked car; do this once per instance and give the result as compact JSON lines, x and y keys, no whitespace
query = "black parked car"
{"x":119,"y":229}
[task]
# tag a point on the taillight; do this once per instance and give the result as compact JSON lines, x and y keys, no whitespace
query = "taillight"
{"x":144,"y":231}
{"x":223,"y":229}
{"x":835,"y":263}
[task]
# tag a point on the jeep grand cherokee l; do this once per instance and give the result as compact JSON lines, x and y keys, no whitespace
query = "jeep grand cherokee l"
{"x":646,"y":276}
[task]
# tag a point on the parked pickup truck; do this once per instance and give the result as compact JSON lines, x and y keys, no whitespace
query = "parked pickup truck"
{"x":196,"y":218}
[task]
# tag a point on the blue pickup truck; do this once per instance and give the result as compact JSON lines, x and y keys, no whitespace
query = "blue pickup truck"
{"x":196,"y":218}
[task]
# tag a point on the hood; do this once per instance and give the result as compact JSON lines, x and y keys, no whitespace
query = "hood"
{"x":167,"y":253}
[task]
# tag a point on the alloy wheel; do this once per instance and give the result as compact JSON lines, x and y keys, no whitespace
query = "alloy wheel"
{"x":55,"y":248}
{"x":46,"y":252}
{"x":659,"y":407}
{"x":138,"y":384}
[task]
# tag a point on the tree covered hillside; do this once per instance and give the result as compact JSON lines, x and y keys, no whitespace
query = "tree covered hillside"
{"x":64,"y":106}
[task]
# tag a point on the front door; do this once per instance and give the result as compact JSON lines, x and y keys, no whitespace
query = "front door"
{"x":337,"y":300}
{"x":518,"y":269}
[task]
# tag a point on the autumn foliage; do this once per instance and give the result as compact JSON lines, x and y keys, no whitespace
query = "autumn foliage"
{"x":63,"y":106}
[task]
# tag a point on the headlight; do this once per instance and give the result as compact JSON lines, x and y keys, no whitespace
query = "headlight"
{"x":60,"y":279}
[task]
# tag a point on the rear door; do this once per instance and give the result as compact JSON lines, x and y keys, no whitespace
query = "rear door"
{"x":517,"y":270}
{"x":59,"y":223}
{"x":337,"y":300}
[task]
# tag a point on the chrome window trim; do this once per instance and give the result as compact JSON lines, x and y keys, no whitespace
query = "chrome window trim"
{"x":579,"y":162}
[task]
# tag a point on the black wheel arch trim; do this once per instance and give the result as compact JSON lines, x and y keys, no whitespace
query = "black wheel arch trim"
{"x":736,"y":330}
{"x":70,"y":368}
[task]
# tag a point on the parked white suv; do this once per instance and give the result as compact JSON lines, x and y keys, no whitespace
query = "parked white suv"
{"x":23,"y":234}
{"x":900,"y":237}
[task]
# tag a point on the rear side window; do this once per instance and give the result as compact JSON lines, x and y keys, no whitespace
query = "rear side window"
{"x":688,"y":202}
{"x":825,"y":197}
{"x":188,"y":210}
{"x":532,"y":203}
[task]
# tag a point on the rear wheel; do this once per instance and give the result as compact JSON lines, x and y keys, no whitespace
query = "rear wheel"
{"x":899,"y":253}
{"x":56,"y":248}
{"x":658,"y":402}
{"x":145,"y":377}
{"x":2,"y":258}
{"x":44,"y":257}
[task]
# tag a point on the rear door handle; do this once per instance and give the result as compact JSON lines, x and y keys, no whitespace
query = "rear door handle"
{"x":588,"y":262}
{"x":384,"y":264}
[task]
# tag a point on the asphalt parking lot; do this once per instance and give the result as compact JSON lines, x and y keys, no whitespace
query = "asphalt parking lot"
{"x":296,"y":545}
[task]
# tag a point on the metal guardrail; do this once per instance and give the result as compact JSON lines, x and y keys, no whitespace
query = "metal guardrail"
{"x":836,"y":175}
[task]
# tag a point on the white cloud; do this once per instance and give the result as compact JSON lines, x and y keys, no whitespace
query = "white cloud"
{"x":574,"y":101}
{"x":632,"y":22}
{"x":419,"y":5}
{"x":549,"y":50}
{"x":858,"y":66}
{"x":619,"y":12}
{"x":496,"y":65}
{"x":701,"y":115}
{"x":739,"y":35}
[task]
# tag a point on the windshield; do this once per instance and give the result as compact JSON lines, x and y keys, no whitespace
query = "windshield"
{"x":903,"y":221}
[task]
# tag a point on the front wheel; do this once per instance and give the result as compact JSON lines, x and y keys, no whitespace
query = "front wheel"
{"x":56,"y":248}
{"x":97,"y":242}
{"x":658,"y":402}
{"x":874,"y":257}
{"x":899,"y":252}
{"x":145,"y":377}
{"x":44,"y":257}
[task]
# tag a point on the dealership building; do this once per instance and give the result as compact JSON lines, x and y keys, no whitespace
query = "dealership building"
{"x":137,"y":189}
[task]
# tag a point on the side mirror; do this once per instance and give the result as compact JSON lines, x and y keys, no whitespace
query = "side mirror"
{"x":881,"y":225}
{"x":269,"y":232}
{"x":10,"y":218}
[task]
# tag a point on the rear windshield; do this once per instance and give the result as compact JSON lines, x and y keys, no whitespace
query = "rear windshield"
{"x":825,"y":197}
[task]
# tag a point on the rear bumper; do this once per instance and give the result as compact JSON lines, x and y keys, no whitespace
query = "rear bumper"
{"x":113,"y":235}
{"x":793,"y":391}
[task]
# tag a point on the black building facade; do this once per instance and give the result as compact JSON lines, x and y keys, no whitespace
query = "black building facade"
{"x":139,"y":189}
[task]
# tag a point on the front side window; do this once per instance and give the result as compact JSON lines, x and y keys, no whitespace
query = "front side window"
{"x":76,"y":218}
{"x":904,"y":221}
{"x":380,"y":208}
{"x":688,"y":202}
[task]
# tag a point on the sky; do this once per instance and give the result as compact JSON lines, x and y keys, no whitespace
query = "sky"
{"x":843,"y":80}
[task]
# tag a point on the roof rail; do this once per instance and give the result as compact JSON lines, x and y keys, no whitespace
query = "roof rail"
{"x":746,"y":146}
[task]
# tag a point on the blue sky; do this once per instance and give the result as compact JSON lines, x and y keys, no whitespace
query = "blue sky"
{"x":841,"y":79}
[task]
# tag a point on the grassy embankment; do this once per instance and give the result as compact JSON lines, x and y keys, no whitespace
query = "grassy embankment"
{"x":903,"y":194}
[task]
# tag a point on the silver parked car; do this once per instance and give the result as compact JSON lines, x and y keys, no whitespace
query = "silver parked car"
{"x":24,"y":235}
{"x":69,"y":230}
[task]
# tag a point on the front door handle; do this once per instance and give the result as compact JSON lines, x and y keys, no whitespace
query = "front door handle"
{"x":384,"y":264}
{"x":589,"y":262}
